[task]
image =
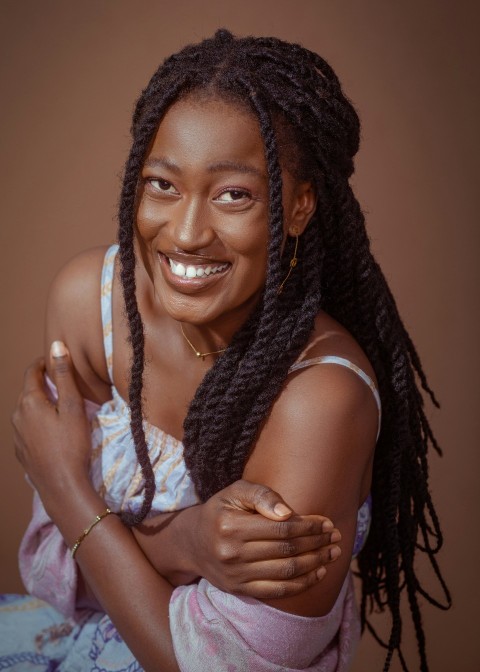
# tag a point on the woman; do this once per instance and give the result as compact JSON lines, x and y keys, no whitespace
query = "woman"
{"x":245,"y":265}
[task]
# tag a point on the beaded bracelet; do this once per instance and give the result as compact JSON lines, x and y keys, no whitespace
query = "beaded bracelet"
{"x":88,"y":530}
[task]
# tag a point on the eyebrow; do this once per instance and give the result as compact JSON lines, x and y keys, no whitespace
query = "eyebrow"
{"x":234,"y":167}
{"x":218,"y":167}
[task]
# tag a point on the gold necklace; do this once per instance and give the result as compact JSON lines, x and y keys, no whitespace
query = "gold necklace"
{"x":200,"y":354}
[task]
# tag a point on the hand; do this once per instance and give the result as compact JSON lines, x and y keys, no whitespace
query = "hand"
{"x":52,"y":442}
{"x":271,"y":555}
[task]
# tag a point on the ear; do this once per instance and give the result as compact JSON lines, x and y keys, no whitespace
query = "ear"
{"x":304,"y":204}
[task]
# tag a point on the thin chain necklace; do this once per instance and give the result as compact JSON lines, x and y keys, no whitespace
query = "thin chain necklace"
{"x":197,"y":353}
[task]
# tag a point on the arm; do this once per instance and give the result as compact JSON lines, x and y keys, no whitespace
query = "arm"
{"x":317,"y":449}
{"x":73,"y":313}
{"x":109,"y":553}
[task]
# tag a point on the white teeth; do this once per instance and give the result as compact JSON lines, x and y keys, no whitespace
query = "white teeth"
{"x":179,"y":269}
{"x":191,"y":271}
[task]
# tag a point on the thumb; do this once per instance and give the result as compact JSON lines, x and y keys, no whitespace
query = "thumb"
{"x":265,"y":501}
{"x":63,"y":375}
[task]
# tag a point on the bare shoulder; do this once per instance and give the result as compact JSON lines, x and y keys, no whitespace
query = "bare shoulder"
{"x":77,"y":284}
{"x":74,"y":316}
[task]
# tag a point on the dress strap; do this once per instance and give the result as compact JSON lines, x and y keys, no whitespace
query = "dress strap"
{"x":341,"y":361}
{"x":106,"y":306}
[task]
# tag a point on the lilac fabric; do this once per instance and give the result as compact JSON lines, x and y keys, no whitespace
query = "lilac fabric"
{"x":213,"y":630}
{"x":46,"y":566}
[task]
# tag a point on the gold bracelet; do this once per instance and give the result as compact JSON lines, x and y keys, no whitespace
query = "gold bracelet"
{"x":88,"y":530}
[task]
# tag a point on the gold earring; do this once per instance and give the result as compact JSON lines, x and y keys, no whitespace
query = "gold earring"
{"x":293,"y":260}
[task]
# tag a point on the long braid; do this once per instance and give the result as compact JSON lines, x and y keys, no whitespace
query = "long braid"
{"x":309,"y":127}
{"x":127,"y":274}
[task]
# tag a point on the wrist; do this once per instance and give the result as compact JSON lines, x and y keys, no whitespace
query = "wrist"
{"x":63,"y":493}
{"x":73,"y":509}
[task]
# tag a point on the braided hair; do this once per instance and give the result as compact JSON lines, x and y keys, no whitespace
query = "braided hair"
{"x":308,"y":123}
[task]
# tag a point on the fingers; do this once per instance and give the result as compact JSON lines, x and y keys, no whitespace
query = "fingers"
{"x":258,"y":550}
{"x":33,"y":382}
{"x":33,"y":398}
{"x":286,"y":569}
{"x":69,"y":397}
{"x":259,"y":528}
{"x":278,"y":560}
{"x":270,"y":590}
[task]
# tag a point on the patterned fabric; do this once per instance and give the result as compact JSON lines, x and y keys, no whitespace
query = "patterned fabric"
{"x":36,"y":637}
{"x":56,"y":632}
{"x":115,"y":471}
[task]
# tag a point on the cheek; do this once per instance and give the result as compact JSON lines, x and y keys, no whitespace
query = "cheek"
{"x":250,"y":244}
{"x":147,"y":219}
{"x":249,"y":235}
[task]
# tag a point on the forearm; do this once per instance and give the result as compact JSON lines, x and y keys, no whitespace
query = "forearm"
{"x":166,"y":541}
{"x":130,"y":590}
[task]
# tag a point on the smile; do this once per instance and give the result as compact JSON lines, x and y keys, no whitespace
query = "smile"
{"x":195,"y":270}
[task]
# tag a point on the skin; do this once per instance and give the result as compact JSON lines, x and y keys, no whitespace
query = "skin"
{"x":316,"y":447}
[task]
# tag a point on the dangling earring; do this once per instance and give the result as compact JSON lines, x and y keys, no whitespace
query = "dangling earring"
{"x":293,"y":261}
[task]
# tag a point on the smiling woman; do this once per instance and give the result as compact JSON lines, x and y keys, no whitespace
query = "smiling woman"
{"x":203,"y":212}
{"x":262,"y":386}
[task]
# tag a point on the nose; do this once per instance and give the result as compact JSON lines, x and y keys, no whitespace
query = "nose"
{"x":191,"y":227}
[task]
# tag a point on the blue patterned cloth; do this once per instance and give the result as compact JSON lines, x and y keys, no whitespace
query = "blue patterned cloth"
{"x":36,"y":637}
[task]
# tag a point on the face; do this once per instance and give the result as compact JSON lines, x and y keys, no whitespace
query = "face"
{"x":202,"y":219}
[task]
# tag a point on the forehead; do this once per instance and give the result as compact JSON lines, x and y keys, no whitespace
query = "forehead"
{"x":200,"y":132}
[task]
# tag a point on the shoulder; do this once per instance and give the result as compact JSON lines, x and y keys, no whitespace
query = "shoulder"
{"x":73,"y":315}
{"x":78,"y":279}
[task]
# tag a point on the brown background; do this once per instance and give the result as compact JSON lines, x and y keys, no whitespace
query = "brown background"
{"x":70,"y":72}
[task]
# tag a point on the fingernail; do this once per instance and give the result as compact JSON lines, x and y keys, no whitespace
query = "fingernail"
{"x":335,"y":536}
{"x":58,"y":349}
{"x":335,"y":552}
{"x":321,"y":572}
{"x":327,"y":525}
{"x":281,"y":510}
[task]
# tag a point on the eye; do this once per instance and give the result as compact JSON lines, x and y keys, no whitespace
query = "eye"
{"x":232,"y":195}
{"x":158,"y":185}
